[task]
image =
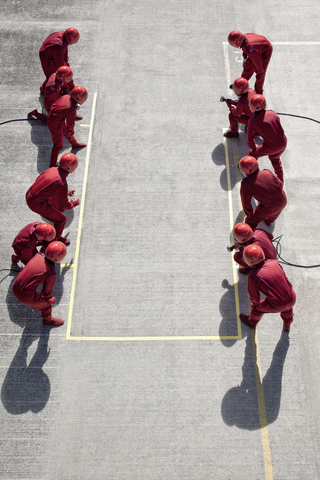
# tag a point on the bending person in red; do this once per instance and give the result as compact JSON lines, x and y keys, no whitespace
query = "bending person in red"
{"x":239,"y":109}
{"x":256,"y":52}
{"x":54,"y":53}
{"x":55,"y":88}
{"x":61,"y":121}
{"x":266,"y":124}
{"x":266,"y":188}
{"x":269,"y":278}
{"x":48,"y":196}
{"x":26,"y":242}
{"x":244,"y":235}
{"x":40,"y":270}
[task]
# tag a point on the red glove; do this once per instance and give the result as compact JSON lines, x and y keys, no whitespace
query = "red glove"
{"x":75,"y":203}
{"x":52,"y":300}
{"x":71,"y":193}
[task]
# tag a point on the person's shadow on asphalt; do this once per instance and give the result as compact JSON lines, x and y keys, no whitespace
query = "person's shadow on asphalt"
{"x":240,"y":406}
{"x":26,"y":387}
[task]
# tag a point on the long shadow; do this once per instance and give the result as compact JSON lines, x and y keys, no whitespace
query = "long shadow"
{"x":240,"y":404}
{"x":26,"y":387}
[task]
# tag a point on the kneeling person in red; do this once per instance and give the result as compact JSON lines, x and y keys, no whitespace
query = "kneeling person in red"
{"x":239,"y":109}
{"x":269,"y":278}
{"x":26,"y":242}
{"x":40,"y":270}
{"x":245,"y":236}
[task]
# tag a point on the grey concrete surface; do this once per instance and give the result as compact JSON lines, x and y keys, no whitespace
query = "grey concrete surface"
{"x":152,"y":258}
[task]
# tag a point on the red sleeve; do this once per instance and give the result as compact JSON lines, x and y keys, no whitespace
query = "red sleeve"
{"x":48,"y":285}
{"x":63,"y":201}
{"x":254,"y":288}
{"x":251,"y":130}
{"x":239,"y":109}
{"x":246,"y":197}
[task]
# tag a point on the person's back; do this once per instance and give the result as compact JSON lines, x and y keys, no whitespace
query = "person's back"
{"x":263,"y":185}
{"x":266,"y":123}
{"x":273,"y":282}
{"x":34,"y":274}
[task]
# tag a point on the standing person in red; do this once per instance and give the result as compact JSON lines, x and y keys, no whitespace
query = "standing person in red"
{"x":266,"y":124}
{"x":240,"y":113}
{"x":40,"y":270}
{"x":54,"y":53}
{"x":256,"y":52}
{"x":53,"y":90}
{"x":245,"y":236}
{"x":26,"y":242}
{"x":266,"y":188}
{"x":61,"y":121}
{"x":269,"y":278}
{"x":48,"y":196}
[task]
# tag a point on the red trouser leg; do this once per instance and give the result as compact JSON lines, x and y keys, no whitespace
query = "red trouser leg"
{"x":57,"y":138}
{"x":273,"y":152}
{"x":50,"y":213}
{"x":248,"y":69}
{"x":265,"y":307}
{"x":234,"y":120}
{"x":270,"y":213}
{"x":260,"y":77}
{"x":48,"y":66}
{"x":34,"y":300}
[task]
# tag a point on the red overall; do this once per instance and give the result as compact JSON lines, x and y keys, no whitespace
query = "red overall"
{"x":61,"y":123}
{"x":269,"y":278}
{"x":257,"y":51}
{"x":48,"y":196}
{"x":39,"y":271}
{"x":241,"y":113}
{"x":25,"y":243}
{"x":266,"y":123}
{"x":54,"y":54}
{"x":261,"y":238}
{"x":266,"y":188}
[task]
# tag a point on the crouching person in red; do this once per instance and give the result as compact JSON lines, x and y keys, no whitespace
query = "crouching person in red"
{"x":40,"y":270}
{"x":269,"y":278}
{"x":266,"y":188}
{"x":48,"y":196}
{"x":244,"y":236}
{"x":26,"y":242}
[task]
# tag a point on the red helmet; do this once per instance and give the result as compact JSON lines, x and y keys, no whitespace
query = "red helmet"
{"x":257,"y":102}
{"x":235,"y":38}
{"x":79,"y":94}
{"x":68,"y":162}
{"x":45,"y":231}
{"x":248,"y":165}
{"x":56,"y":251}
{"x":253,"y":254}
{"x":242,"y":232}
{"x":64,"y":74}
{"x":72,"y":35}
{"x":240,"y":86}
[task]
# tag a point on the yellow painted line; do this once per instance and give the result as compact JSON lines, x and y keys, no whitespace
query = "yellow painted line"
{"x":234,"y":265}
{"x":255,"y":344}
{"x":66,"y":265}
{"x":139,"y":339}
{"x":83,"y":125}
{"x":262,"y":407}
{"x":82,"y":204}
